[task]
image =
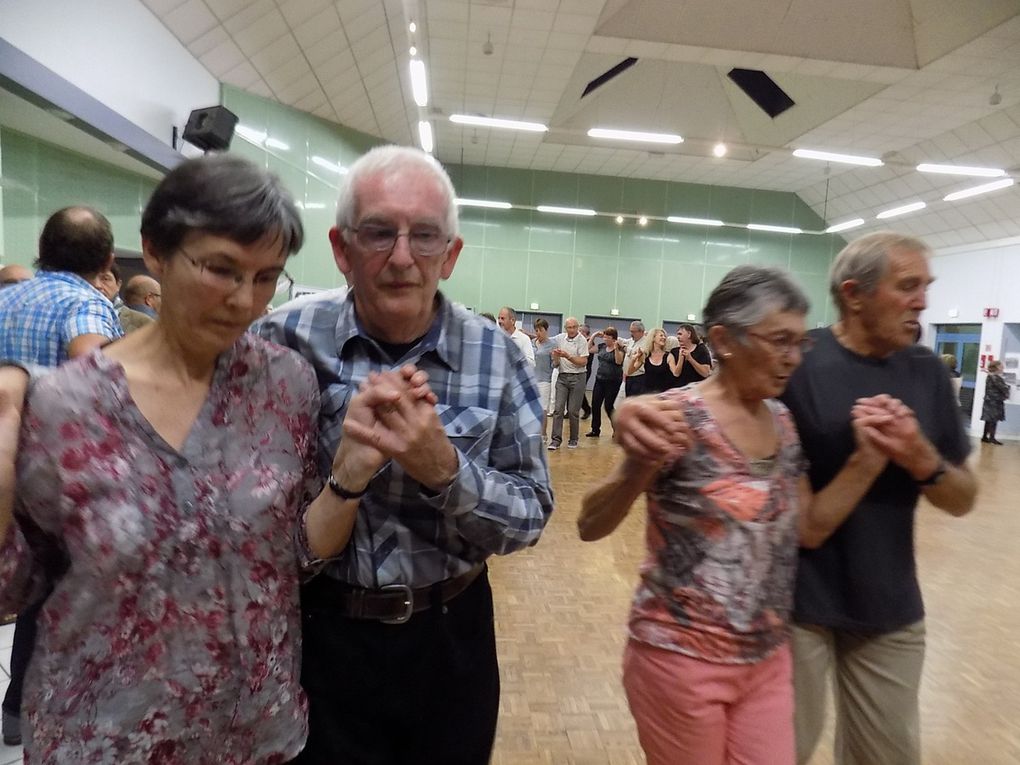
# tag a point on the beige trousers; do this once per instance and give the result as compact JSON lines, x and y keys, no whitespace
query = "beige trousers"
{"x":876,"y":680}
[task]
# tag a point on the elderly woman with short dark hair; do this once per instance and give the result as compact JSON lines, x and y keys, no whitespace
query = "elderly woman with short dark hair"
{"x":707,"y":669}
{"x":167,"y":495}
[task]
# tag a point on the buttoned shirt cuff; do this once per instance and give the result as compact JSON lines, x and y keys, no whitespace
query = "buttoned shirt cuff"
{"x":309,"y":565}
{"x":463,"y":493}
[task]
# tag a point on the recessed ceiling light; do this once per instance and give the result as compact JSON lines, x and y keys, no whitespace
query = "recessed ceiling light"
{"x":719,"y":149}
{"x":412,"y":27}
{"x":619,"y":220}
{"x":419,"y":83}
{"x":845,"y":225}
{"x":496,"y":122}
{"x":774,"y":229}
{"x":413,"y":51}
{"x":892,"y":212}
{"x":635,"y":135}
{"x":425,"y":135}
{"x":566,"y":210}
{"x":483,"y":203}
{"x":980,"y":172}
{"x":973,"y":191}
{"x":694,"y":221}
{"x":847,"y":159}
{"x":643,"y":220}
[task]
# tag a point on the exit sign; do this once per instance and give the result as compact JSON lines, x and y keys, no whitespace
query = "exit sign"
{"x":991,"y":313}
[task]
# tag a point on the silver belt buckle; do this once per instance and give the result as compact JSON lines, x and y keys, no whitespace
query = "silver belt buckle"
{"x":408,"y":602}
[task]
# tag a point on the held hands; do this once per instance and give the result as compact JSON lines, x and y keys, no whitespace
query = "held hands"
{"x":651,"y":429}
{"x":393,"y":416}
{"x":890,"y":427}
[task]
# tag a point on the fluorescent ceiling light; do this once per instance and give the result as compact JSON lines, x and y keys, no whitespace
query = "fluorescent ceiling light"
{"x":845,"y":225}
{"x":419,"y":84}
{"x":425,"y":135}
{"x":694,"y":221}
{"x":566,"y":210}
{"x":483,"y":203}
{"x":984,"y":188}
{"x":315,"y":206}
{"x":496,"y":122}
{"x":272,"y":143}
{"x":847,"y":159}
{"x":250,"y":134}
{"x":774,"y":229}
{"x":334,"y":166}
{"x":635,"y":135}
{"x":901,"y":210}
{"x":980,"y":172}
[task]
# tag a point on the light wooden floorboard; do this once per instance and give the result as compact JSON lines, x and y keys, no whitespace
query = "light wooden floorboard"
{"x":561,"y":607}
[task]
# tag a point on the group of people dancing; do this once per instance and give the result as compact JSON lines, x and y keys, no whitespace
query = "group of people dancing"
{"x":269,"y":546}
{"x":781,"y":494}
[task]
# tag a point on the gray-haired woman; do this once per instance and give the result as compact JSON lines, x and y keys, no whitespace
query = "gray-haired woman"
{"x":167,"y":493}
{"x":707,"y":670}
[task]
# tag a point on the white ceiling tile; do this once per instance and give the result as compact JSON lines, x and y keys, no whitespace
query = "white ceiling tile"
{"x":190,"y":20}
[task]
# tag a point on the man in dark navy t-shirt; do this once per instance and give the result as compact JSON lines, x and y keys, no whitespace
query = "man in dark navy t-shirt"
{"x":858,"y":608}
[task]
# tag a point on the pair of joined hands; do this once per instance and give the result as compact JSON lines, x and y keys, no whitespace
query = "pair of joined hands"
{"x":393,"y":417}
{"x":653,"y":430}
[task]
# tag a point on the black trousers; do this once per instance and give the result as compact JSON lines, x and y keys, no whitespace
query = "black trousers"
{"x":604,"y":393}
{"x":425,"y":692}
{"x":634,"y":386}
{"x":21,"y":653}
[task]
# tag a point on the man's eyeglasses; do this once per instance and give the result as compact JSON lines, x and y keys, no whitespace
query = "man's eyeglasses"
{"x":784,"y":345}
{"x":227,"y":279}
{"x":424,"y":241}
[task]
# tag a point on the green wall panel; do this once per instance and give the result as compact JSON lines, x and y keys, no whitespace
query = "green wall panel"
{"x":39,"y":179}
{"x":573,"y":266}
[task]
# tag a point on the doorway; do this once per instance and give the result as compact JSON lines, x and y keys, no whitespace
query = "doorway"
{"x":963,"y":342}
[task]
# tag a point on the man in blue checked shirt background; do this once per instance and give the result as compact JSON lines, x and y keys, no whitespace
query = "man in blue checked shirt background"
{"x":399,"y":656}
{"x":45,"y":321}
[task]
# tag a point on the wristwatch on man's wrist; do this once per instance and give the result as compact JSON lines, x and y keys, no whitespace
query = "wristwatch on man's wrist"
{"x":935,"y":477}
{"x":341,"y":492}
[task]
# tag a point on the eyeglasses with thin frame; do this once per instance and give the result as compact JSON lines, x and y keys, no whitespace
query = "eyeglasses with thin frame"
{"x":784,"y":345}
{"x":227,"y":279}
{"x":423,"y":241}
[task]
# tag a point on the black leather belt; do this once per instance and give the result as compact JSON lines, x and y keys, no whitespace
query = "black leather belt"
{"x":396,"y":603}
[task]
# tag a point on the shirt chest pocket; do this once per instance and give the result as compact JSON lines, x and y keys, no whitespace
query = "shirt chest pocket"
{"x":469,"y":429}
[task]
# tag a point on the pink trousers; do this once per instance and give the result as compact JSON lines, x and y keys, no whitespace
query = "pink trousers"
{"x":694,"y":712}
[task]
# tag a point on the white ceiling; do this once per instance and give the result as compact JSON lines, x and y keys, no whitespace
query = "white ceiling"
{"x":906,"y":80}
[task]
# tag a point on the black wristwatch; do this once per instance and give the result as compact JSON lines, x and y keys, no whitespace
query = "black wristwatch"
{"x":341,"y":492}
{"x":935,"y":477}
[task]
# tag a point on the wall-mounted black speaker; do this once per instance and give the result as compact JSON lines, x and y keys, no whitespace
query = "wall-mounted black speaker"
{"x":210,"y":129}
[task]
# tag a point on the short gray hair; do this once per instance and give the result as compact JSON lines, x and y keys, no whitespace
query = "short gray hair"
{"x":866,"y":261}
{"x":639,"y":326}
{"x":389,"y":160}
{"x":747,"y":294}
{"x":510,"y":312}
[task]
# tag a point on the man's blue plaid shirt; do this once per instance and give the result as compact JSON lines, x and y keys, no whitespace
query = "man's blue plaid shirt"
{"x":39,"y":317}
{"x":488,"y":404}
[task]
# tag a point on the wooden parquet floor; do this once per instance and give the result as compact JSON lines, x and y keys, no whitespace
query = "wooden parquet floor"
{"x":561,"y":609}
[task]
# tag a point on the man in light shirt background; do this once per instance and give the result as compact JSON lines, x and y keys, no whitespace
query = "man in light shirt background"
{"x":571,"y":357}
{"x":507,"y":321}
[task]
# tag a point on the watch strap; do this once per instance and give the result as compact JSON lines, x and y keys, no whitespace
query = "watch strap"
{"x":341,"y":492}
{"x":935,"y":477}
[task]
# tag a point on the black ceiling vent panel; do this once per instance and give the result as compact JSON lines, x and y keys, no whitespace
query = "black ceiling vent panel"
{"x":761,"y":89}
{"x":606,"y":76}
